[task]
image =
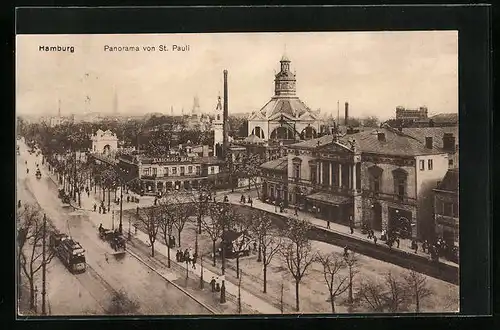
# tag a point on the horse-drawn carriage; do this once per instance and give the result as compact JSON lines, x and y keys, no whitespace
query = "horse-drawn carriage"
{"x":64,"y":198}
{"x":114,"y":238}
{"x":38,"y":174}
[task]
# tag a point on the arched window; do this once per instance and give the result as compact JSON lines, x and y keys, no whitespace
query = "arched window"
{"x":375,"y":178}
{"x":308,"y":133}
{"x":282,"y":133}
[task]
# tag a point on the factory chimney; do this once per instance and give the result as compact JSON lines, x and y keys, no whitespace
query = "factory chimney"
{"x":225,"y":125}
{"x":346,"y":116}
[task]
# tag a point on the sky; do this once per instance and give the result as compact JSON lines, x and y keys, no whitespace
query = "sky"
{"x":373,"y":71}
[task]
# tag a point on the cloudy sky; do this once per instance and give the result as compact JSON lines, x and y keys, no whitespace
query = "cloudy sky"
{"x":373,"y":71}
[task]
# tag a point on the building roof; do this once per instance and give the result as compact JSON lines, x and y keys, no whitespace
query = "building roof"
{"x":279,"y":164}
{"x":253,"y":139}
{"x":367,"y":141}
{"x":291,"y":106}
{"x":329,"y":198}
{"x":420,"y":133}
{"x":450,"y":181}
{"x":445,"y":117}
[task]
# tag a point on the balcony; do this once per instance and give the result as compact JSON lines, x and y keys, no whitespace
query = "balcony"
{"x":403,"y":199}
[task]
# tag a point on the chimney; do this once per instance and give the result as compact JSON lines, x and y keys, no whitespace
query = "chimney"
{"x":449,"y":142}
{"x":204,"y":150}
{"x":381,"y":136}
{"x":428,"y":142}
{"x":346,"y":116}
{"x":225,"y":127}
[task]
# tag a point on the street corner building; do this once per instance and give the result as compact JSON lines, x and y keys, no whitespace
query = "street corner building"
{"x":447,"y":208}
{"x":379,"y":178}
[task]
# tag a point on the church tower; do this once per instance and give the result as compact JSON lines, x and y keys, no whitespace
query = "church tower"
{"x":284,"y":81}
{"x":218,"y":126}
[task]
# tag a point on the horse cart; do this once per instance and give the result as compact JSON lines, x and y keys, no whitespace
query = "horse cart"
{"x":114,"y":238}
{"x":65,"y":198}
{"x":38,"y":174}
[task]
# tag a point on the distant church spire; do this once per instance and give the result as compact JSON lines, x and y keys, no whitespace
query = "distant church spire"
{"x":59,"y":107}
{"x":172,"y":110}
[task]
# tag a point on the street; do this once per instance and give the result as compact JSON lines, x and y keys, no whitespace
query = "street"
{"x":105,"y":274}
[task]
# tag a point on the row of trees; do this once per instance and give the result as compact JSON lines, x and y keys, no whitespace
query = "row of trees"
{"x":32,"y":255}
{"x":293,"y":245}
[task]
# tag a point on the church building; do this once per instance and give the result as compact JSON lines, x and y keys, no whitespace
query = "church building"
{"x":284,"y":117}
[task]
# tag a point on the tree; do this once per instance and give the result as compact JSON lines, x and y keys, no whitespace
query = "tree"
{"x":31,"y":233}
{"x":297,"y":252}
{"x":167,"y":220}
{"x":121,"y":304}
{"x":396,"y":297}
{"x":336,"y":283}
{"x":371,"y":121}
{"x":370,"y":294}
{"x":250,"y":169}
{"x":243,"y":243}
{"x":269,"y":240}
{"x":213,"y":226}
{"x":150,"y":218}
{"x":352,"y":262}
{"x":182,"y":213}
{"x":417,"y":287}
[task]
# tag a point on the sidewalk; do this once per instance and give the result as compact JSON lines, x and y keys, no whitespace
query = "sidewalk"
{"x":254,"y":302}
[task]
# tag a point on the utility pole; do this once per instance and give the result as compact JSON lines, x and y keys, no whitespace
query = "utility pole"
{"x":239,"y":292}
{"x":44,"y":266}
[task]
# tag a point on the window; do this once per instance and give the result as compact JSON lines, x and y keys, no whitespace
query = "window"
{"x":429,"y":164}
{"x":197,"y":170}
{"x":190,"y":169}
{"x":211,"y":170}
{"x":146,"y":171}
{"x":313,"y":174}
{"x":450,"y":162}
{"x":174,"y":170}
{"x":376,"y":184}
{"x":296,"y":171}
{"x":155,"y":171}
{"x":448,"y":209}
{"x":183,"y":170}
{"x":165,"y":171}
{"x":422,"y":165}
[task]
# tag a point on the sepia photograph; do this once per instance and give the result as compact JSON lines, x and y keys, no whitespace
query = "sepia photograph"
{"x":237,"y":173}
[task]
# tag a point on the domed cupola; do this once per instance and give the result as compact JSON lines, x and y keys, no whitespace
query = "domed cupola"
{"x":284,"y":82}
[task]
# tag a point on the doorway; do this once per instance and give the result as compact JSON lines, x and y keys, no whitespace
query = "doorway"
{"x":377,"y":216}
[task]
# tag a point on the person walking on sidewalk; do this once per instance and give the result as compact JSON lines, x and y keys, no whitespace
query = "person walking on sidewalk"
{"x":350,"y":224}
{"x":195,"y":256}
{"x":375,"y":239}
{"x":100,"y":209}
{"x":327,"y":224}
{"x":95,"y":206}
{"x":212,"y":284}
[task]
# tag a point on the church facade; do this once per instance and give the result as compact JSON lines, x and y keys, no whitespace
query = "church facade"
{"x":284,"y":117}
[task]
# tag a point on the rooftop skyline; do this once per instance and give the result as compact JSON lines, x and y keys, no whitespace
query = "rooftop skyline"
{"x":373,"y":71}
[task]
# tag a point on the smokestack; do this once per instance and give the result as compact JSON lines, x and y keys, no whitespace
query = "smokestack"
{"x":346,"y":113}
{"x":225,"y":116}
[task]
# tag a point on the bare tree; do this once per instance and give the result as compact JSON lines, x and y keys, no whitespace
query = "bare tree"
{"x":31,"y":233}
{"x":371,"y":295}
{"x":269,"y":240}
{"x":213,"y":226}
{"x":250,"y":168}
{"x":149,"y":217}
{"x":297,"y":252}
{"x":243,"y":242}
{"x":336,"y":283}
{"x":418,"y":287}
{"x":167,"y":220}
{"x":182,"y":213}
{"x":352,"y":262}
{"x":121,"y":304}
{"x":396,"y":296}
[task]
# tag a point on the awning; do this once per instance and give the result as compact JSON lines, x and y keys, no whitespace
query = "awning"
{"x":329,"y":198}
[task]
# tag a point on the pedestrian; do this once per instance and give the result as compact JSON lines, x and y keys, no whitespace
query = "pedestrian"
{"x":296,"y":209}
{"x":100,"y":209}
{"x":251,"y":202}
{"x":346,"y":251}
{"x":128,"y":199}
{"x":95,"y":206}
{"x":351,"y":224}
{"x":217,"y":285}
{"x":375,"y":239}
{"x":327,"y":224}
{"x":195,"y":256}
{"x":212,"y":284}
{"x":416,"y":246}
{"x":186,"y":256}
{"x":397,"y":241}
